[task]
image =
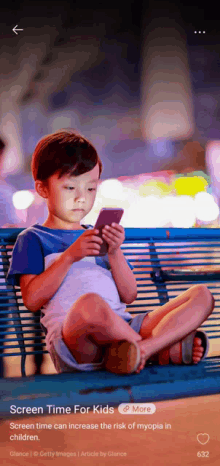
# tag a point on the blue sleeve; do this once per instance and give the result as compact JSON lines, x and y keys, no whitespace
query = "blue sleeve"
{"x":27,"y":257}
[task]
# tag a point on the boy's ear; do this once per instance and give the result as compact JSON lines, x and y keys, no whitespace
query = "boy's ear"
{"x":41,"y":189}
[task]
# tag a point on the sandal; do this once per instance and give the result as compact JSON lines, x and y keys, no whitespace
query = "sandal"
{"x":181,"y":352}
{"x":122,"y":357}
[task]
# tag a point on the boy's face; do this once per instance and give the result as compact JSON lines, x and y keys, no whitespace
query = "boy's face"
{"x":67,"y":194}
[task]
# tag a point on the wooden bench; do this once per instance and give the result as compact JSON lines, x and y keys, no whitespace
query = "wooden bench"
{"x":165,"y":263}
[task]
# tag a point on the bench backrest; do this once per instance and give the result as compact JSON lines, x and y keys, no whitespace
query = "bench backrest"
{"x":161,"y":258}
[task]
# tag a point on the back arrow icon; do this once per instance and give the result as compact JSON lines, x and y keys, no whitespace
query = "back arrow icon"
{"x":15,"y":30}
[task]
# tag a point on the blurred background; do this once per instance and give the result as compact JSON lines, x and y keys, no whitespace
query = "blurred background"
{"x":141,"y":82}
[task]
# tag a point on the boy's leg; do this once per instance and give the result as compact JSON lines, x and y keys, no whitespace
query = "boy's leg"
{"x":90,"y":324}
{"x":172,"y":322}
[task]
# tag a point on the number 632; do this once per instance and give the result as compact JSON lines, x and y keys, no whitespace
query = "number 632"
{"x":203,"y":454}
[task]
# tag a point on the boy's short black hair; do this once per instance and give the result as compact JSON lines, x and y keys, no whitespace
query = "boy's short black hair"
{"x":66,"y":152}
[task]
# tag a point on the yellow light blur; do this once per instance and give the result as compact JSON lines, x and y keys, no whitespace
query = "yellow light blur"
{"x":154,"y":187}
{"x":190,"y":185}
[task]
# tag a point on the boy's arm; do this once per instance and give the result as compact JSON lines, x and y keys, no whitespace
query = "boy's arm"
{"x":123,"y":276}
{"x":42,"y":288}
{"x":125,"y":281}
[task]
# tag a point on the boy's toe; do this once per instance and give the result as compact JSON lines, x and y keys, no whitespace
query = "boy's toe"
{"x":197,"y":342}
{"x":198,"y":349}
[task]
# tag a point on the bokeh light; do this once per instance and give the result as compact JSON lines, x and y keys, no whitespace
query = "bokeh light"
{"x":112,"y":189}
{"x":154,"y":187}
{"x":183,"y":213}
{"x":143,"y":213}
{"x":23,"y":199}
{"x":205,"y":207}
{"x":190,"y":185}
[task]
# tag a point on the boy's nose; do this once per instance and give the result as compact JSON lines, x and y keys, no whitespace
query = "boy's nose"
{"x":79,"y":196}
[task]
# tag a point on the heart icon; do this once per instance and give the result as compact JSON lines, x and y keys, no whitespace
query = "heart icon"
{"x":203,"y":438}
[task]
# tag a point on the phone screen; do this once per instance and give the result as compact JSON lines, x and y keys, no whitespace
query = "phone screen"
{"x":110,"y":72}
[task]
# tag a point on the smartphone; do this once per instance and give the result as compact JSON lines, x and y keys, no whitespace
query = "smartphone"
{"x":107,"y":216}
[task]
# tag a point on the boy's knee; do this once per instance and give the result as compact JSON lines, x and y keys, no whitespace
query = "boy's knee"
{"x":210,"y":301}
{"x":95,"y":310}
{"x":206,"y":297}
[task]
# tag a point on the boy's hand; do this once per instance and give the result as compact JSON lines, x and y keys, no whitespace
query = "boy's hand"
{"x":88,"y":244}
{"x":114,"y":235}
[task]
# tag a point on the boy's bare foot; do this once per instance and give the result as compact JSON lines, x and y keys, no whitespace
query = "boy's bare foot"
{"x":198,"y":351}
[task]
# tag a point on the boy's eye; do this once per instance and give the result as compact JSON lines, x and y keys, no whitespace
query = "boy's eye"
{"x":71,"y":187}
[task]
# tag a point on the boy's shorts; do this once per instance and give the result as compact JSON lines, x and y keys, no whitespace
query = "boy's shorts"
{"x":65,"y":362}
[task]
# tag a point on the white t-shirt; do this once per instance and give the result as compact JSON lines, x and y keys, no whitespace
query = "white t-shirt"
{"x":37,"y":247}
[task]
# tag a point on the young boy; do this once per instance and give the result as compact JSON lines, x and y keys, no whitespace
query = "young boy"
{"x":82,"y":296}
